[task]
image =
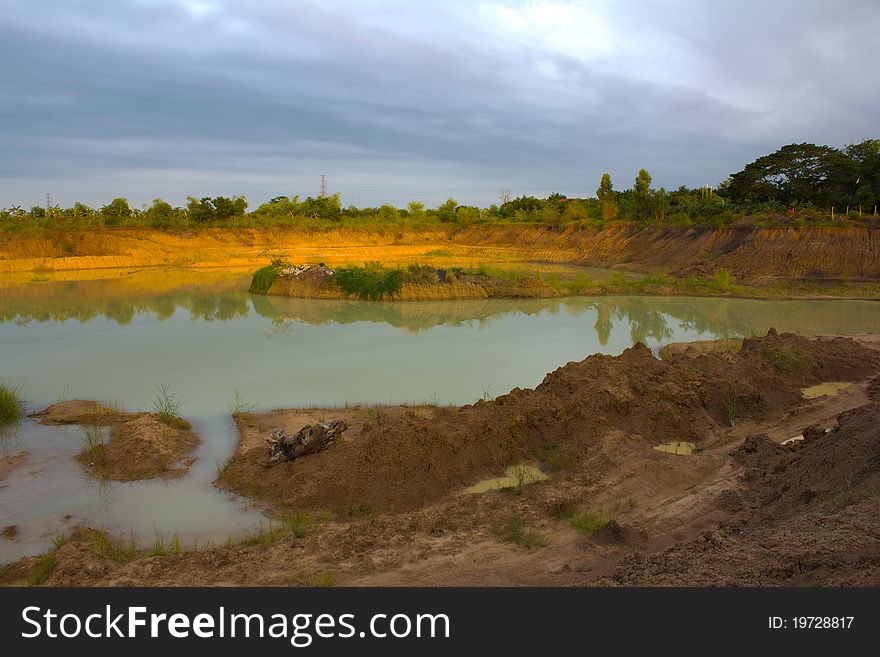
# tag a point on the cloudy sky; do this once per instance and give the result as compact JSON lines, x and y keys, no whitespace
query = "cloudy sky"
{"x":400,"y":100}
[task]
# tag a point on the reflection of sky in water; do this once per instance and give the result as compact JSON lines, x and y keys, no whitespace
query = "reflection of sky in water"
{"x":291,"y":352}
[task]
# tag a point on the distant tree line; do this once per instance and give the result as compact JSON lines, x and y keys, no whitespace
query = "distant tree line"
{"x":797,"y":183}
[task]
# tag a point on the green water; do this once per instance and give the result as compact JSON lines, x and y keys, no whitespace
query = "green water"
{"x":114,"y":341}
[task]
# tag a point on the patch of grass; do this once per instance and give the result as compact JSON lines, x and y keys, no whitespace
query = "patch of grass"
{"x":371,"y":281}
{"x":93,"y":444}
{"x":239,"y":406}
{"x":42,"y":570}
{"x":783,"y":358}
{"x":438,"y":253}
{"x":58,"y":540}
{"x":11,"y":404}
{"x":116,"y":548}
{"x":166,"y":404}
{"x":320,"y":579}
{"x":223,"y":470}
{"x":555,"y":458}
{"x":264,"y":277}
{"x":299,"y":524}
{"x":587,"y":522}
{"x":161,"y":547}
{"x":262,"y":535}
{"x":514,"y":530}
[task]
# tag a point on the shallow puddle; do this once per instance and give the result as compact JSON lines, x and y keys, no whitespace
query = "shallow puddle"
{"x":514,"y":476}
{"x":676,"y":447}
{"x":829,"y":388}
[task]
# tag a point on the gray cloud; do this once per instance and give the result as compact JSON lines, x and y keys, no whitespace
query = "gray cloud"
{"x":402,"y":101}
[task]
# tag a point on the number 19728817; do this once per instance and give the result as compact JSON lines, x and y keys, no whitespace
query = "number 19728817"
{"x":811,"y":622}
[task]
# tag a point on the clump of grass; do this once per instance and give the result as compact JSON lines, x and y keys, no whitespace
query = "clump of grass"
{"x":514,"y":530}
{"x":116,"y":548}
{"x":58,"y":540}
{"x":730,"y":395}
{"x":371,"y":281}
{"x":223,"y":470}
{"x":239,"y":406}
{"x":166,"y":403}
{"x":262,"y":536}
{"x":11,"y":404}
{"x":299,"y":524}
{"x":587,"y":522}
{"x":42,"y":570}
{"x":320,"y":579}
{"x":172,"y":546}
{"x":93,"y":444}
{"x":264,"y":277}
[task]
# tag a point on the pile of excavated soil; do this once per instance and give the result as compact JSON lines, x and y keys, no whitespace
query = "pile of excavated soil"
{"x":404,"y":459}
{"x":140,"y":446}
{"x":803,"y":515}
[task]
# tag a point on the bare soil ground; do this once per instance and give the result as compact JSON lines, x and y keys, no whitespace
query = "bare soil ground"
{"x":140,"y":446}
{"x":381,"y":506}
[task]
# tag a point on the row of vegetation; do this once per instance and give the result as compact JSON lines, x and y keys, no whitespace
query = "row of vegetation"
{"x":799,"y":184}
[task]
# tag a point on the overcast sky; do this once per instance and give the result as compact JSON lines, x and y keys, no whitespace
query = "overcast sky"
{"x":400,"y":100}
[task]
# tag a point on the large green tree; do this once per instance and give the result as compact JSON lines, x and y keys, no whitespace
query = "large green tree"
{"x":796,"y":174}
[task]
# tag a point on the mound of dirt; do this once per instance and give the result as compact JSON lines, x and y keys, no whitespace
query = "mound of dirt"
{"x":804,"y":515}
{"x":404,"y":459}
{"x":140,"y":446}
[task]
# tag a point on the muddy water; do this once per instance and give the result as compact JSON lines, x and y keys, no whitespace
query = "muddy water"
{"x":115,"y":340}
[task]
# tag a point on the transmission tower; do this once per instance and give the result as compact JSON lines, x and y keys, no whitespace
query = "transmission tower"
{"x":323,"y":185}
{"x":48,"y":202}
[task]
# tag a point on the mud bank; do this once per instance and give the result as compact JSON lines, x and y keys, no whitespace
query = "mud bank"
{"x":381,"y":505}
{"x":750,"y":253}
{"x":121,"y":446}
{"x":400,"y":458}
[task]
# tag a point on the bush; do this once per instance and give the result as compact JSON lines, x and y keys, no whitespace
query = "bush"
{"x":370,"y":281}
{"x":264,"y":277}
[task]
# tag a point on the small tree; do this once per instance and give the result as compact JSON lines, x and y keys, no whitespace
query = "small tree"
{"x":642,"y":192}
{"x":607,"y":199}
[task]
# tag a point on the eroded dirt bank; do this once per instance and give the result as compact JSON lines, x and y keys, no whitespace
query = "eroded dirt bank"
{"x":121,"y":446}
{"x":383,"y":503}
{"x":750,"y":253}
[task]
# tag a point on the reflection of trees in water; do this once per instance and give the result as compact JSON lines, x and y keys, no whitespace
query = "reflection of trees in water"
{"x":654,"y":319}
{"x":650,"y":318}
{"x":76,"y":301}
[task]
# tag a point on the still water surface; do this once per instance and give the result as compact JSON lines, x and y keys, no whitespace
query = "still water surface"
{"x":115,"y":340}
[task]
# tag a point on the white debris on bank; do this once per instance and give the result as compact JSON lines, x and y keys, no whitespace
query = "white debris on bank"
{"x":298,"y":271}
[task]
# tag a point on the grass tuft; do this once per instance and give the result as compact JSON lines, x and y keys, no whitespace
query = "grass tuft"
{"x":11,"y":404}
{"x":514,"y":530}
{"x":587,"y":522}
{"x":166,"y":403}
{"x":42,"y":570}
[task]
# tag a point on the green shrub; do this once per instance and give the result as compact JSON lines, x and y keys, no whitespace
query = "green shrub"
{"x":264,"y":277}
{"x":370,"y":281}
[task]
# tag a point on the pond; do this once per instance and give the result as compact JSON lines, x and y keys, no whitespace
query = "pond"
{"x":204,"y":336}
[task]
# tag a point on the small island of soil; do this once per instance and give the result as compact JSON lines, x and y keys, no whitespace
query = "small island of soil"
{"x":414,"y":283}
{"x":121,"y":446}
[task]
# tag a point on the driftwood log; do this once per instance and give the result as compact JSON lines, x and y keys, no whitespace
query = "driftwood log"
{"x":310,"y":439}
